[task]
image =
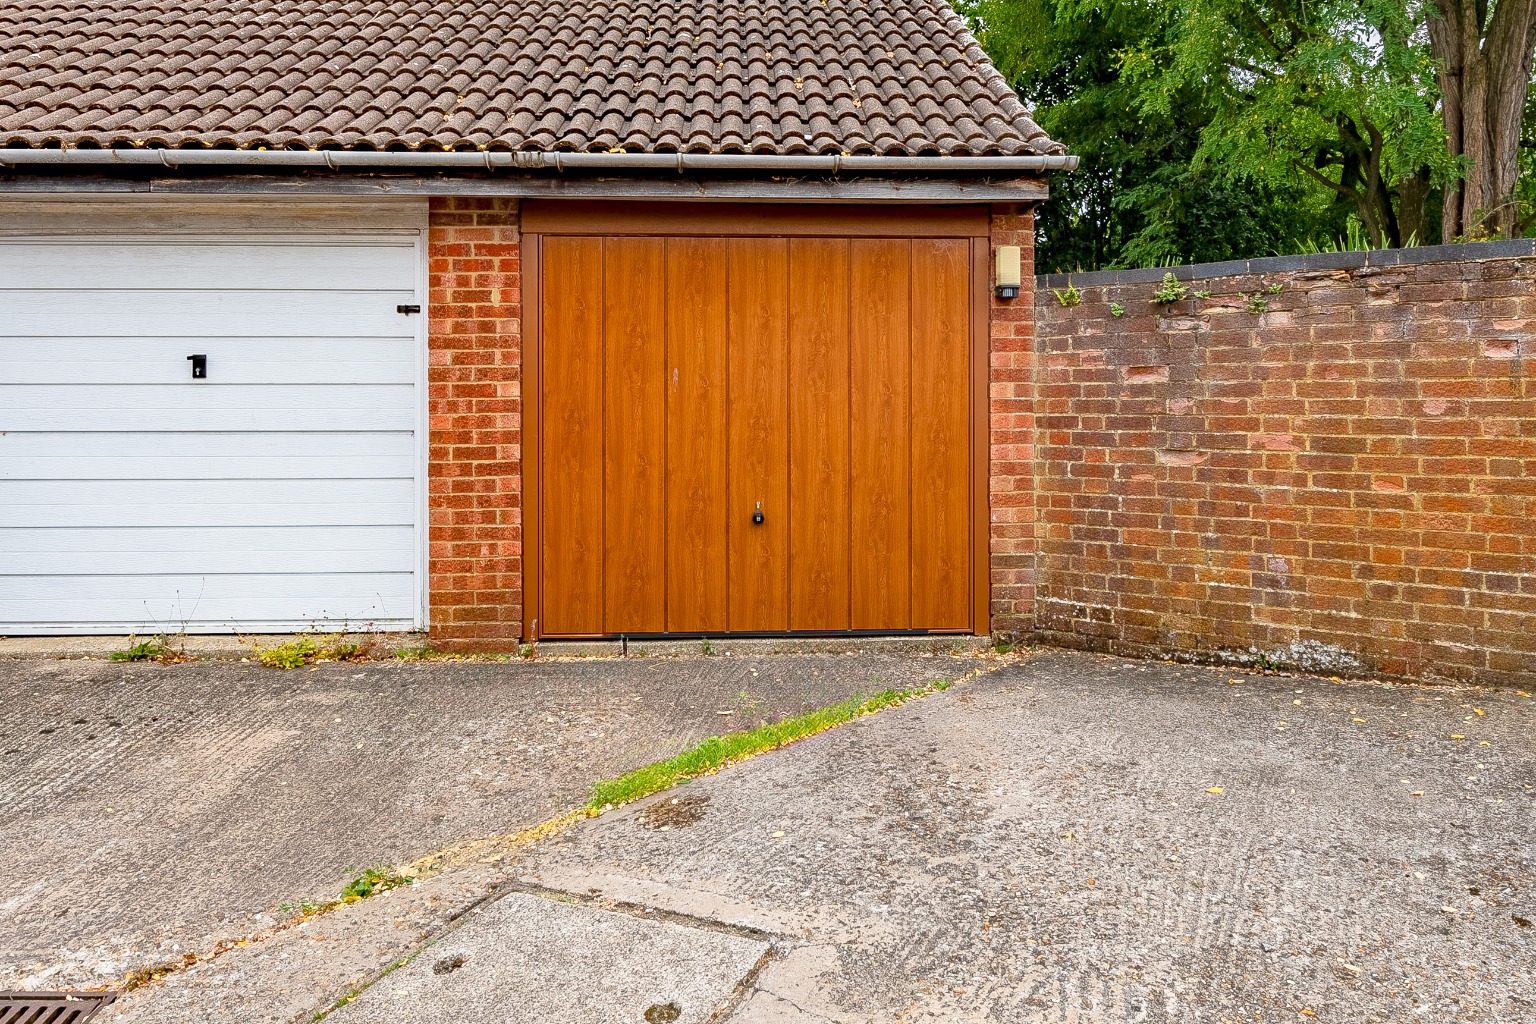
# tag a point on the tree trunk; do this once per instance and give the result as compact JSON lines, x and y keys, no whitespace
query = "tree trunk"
{"x":1413,"y":207}
{"x":1484,"y":76}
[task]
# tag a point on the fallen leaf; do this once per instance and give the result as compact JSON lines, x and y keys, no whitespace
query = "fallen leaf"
{"x":1477,"y":711}
{"x":1417,"y":792}
{"x":778,"y":835}
{"x":1457,"y":736}
{"x":1358,"y":721}
{"x":1216,"y":789}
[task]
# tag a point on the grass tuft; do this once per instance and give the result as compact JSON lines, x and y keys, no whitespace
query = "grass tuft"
{"x":718,"y":751}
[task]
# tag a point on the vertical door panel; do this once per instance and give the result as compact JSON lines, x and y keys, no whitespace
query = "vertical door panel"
{"x":696,"y":439}
{"x":881,"y":392}
{"x":819,"y":595}
{"x":571,"y":456}
{"x":634,"y":340}
{"x":758,"y":429}
{"x":941,"y":423}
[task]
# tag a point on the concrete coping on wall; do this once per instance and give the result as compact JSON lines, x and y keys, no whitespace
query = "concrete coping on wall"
{"x":1502,"y":249}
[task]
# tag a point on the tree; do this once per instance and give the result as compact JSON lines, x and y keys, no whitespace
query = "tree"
{"x":1484,"y":50}
{"x":1138,"y":199}
{"x":1341,"y":93}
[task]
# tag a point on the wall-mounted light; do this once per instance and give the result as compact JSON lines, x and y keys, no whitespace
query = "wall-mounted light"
{"x":1008,"y":271}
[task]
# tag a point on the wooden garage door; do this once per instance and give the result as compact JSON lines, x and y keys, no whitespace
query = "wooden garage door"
{"x":687,"y":381}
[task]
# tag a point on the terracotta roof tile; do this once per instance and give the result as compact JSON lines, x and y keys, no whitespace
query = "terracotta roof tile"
{"x":764,"y":76}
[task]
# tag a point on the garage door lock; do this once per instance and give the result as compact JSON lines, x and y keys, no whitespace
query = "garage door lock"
{"x":199,"y":366}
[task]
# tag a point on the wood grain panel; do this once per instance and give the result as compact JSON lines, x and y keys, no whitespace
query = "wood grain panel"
{"x":758,"y":318}
{"x":819,"y":596}
{"x":696,"y":436}
{"x":783,"y":220}
{"x":881,"y":390}
{"x":940,"y":423}
{"x":571,"y":455}
{"x":634,"y":432}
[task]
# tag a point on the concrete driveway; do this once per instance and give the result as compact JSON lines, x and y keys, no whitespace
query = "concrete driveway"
{"x":148,"y":811}
{"x":1071,"y":838}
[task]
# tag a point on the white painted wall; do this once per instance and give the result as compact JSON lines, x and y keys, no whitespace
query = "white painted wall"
{"x":286,"y":491}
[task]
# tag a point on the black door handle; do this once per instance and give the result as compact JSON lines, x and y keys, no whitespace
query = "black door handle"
{"x":199,"y":366}
{"x":757,"y":516}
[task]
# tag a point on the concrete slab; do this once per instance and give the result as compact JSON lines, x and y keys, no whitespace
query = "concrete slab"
{"x":149,"y":811}
{"x":300,"y":970}
{"x":1091,"y":839}
{"x":527,"y":958}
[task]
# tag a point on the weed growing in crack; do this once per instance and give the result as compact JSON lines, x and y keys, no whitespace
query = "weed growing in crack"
{"x":154,"y":649}
{"x":305,"y":651}
{"x":372,"y":881}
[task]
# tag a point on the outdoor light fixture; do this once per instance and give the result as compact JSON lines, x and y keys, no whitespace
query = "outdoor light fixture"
{"x":1008,"y":272}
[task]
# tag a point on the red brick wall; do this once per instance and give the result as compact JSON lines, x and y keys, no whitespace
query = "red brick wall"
{"x":1011,"y":483}
{"x":1344,"y":482}
{"x":474,"y":407}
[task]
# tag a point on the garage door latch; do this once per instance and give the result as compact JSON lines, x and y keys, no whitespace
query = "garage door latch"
{"x":407,"y":309}
{"x":199,"y":366}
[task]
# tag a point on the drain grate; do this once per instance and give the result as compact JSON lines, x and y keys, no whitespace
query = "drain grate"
{"x":51,"y":1007}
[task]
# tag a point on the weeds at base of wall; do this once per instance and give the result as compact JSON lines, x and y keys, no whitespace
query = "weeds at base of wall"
{"x":158,"y":648}
{"x":306,"y":651}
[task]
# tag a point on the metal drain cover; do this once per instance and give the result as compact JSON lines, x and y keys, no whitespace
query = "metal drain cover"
{"x":51,"y":1007}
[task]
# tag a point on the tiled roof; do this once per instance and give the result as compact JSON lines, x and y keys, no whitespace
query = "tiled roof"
{"x":762,"y":76}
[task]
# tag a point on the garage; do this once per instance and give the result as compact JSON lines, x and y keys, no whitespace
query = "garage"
{"x":211,"y":422}
{"x":765,"y":419}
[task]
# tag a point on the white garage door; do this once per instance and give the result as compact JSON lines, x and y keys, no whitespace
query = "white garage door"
{"x":279,"y":492}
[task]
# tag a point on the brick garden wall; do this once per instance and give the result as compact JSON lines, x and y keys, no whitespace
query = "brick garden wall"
{"x":1329,"y":463}
{"x":474,"y":407}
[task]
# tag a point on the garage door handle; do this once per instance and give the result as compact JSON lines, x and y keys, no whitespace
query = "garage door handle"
{"x":407,"y":309}
{"x":199,"y":366}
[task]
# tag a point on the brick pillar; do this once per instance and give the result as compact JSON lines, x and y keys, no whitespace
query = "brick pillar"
{"x":1011,"y":395}
{"x":474,"y":407}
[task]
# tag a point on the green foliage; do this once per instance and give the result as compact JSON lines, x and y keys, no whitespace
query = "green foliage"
{"x":371,"y":882}
{"x":1201,"y":293}
{"x":1139,"y":199}
{"x":1257,"y":304}
{"x":294,"y":654}
{"x":154,"y":649}
{"x":1068,"y":296}
{"x":1337,"y":95}
{"x":1169,"y":291}
{"x":304,"y":651}
{"x":1225,"y":129}
{"x":1116,"y":310}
